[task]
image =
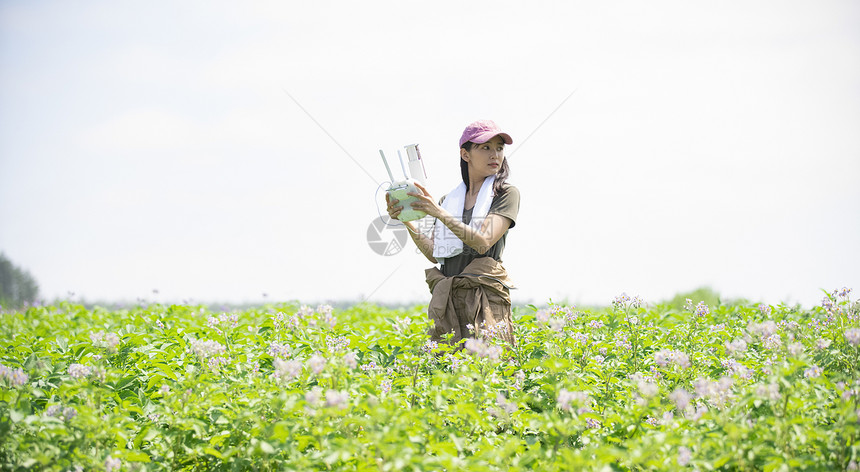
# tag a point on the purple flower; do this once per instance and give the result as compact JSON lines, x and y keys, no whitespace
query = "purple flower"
{"x":621,"y":300}
{"x":205,"y":348}
{"x":316,"y":364}
{"x":286,"y":370}
{"x":77,"y":371}
{"x":812,"y":372}
{"x":312,"y":396}
{"x":852,"y":336}
{"x":385,"y":386}
{"x":684,"y":456}
{"x":493,"y":352}
{"x":68,"y":413}
{"x":336,"y":344}
{"x":476,"y":346}
{"x":565,"y":398}
{"x":735,"y":347}
{"x":795,"y":349}
{"x":664,"y":357}
{"x":768,"y":391}
{"x":215,"y":363}
{"x":112,"y":463}
{"x":16,"y":377}
{"x":279,"y":350}
{"x":772,"y":342}
{"x":105,"y":340}
{"x":503,"y":403}
{"x":681,"y":398}
{"x":761,"y":329}
{"x":349,"y":359}
{"x":519,"y":378}
{"x":336,"y":399}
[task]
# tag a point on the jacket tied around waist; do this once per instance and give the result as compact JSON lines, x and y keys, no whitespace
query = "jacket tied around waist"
{"x":479,"y":296}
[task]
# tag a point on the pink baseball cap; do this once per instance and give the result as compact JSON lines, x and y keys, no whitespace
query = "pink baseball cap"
{"x":482,"y":131}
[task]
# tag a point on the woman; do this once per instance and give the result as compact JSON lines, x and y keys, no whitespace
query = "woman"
{"x":471,"y":292}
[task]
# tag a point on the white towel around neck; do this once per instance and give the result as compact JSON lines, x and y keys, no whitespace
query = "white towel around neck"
{"x":445,"y":243}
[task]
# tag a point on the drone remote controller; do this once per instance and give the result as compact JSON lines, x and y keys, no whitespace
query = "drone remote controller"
{"x":398,"y":190}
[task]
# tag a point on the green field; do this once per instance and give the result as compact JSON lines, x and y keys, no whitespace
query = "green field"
{"x":633,"y":386}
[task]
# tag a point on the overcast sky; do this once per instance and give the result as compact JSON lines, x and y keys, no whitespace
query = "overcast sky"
{"x":216,"y":151}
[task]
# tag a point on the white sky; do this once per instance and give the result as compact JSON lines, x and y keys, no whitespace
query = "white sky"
{"x":153,"y":145}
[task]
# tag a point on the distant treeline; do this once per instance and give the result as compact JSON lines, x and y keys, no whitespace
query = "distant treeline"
{"x":17,"y":286}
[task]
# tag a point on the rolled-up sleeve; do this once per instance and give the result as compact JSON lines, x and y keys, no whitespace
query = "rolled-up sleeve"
{"x":507,"y":204}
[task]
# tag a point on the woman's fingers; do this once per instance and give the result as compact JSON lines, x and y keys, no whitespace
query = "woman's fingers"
{"x":421,"y":187}
{"x":394,"y":211}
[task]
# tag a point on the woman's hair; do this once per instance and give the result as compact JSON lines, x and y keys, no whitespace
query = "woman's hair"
{"x":501,"y":176}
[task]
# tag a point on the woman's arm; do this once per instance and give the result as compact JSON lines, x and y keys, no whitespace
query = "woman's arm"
{"x":481,"y":240}
{"x":424,"y":243}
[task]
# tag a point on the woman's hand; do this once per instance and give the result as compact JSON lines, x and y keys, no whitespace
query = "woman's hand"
{"x":393,"y":209}
{"x":424,"y":202}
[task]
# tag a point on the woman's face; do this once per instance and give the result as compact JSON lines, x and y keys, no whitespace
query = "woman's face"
{"x":485,"y":159}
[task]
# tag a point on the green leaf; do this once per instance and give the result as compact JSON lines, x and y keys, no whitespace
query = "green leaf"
{"x":136,"y":456}
{"x":16,"y":415}
{"x":213,"y":452}
{"x":266,"y":447}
